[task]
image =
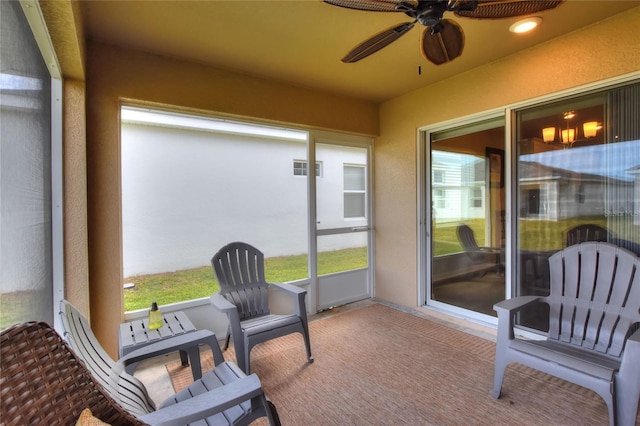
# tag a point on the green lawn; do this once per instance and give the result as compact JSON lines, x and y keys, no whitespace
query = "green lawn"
{"x":445,"y":238}
{"x":540,"y":235}
{"x":172,"y":287}
{"x":20,"y":306}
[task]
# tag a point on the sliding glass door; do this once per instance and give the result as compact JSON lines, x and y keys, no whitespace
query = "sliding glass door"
{"x":466,"y":187}
{"x":578,"y":164}
{"x":493,"y":213}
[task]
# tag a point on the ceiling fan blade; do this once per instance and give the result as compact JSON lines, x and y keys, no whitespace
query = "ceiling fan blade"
{"x":377,"y":42}
{"x":374,"y":5}
{"x":492,"y":9}
{"x":444,"y":43}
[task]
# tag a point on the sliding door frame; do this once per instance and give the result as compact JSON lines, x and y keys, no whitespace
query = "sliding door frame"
{"x":425,"y":214}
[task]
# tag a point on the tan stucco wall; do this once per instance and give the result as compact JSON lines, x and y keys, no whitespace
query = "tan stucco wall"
{"x":64,"y":23}
{"x":604,"y":50}
{"x":115,"y":74}
{"x":76,"y":264}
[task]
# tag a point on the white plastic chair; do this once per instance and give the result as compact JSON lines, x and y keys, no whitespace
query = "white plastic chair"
{"x":243,"y":296}
{"x":223,"y":396}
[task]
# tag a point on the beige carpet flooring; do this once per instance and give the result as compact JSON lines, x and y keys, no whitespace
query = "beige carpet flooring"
{"x":377,"y":365}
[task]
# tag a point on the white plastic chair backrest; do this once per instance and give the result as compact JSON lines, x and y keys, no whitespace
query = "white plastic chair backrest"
{"x":467,"y":238}
{"x":239,"y":268}
{"x":587,"y":232}
{"x":595,"y":296}
{"x":124,"y":388}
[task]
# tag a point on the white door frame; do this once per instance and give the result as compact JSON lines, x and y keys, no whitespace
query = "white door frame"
{"x":321,"y":137}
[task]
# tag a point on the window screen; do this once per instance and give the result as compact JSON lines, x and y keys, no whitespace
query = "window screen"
{"x":26,"y":279}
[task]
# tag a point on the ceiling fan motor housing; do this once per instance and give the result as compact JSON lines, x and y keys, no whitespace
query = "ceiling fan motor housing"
{"x":443,"y":39}
{"x":429,"y":15}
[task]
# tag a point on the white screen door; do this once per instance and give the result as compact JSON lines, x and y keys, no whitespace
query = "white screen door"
{"x":343,"y":220}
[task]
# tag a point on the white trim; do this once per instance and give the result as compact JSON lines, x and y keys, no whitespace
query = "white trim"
{"x":424,"y":250}
{"x":339,"y":139}
{"x":57,"y":190}
{"x":155,"y":117}
{"x":38,"y":26}
{"x":576,"y":91}
{"x":510,"y":231}
{"x":312,"y":219}
{"x":462,"y":121}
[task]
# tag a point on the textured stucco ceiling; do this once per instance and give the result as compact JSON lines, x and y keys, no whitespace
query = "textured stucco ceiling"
{"x":300,"y":42}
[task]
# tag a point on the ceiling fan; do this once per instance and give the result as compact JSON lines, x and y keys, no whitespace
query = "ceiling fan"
{"x":442,"y":39}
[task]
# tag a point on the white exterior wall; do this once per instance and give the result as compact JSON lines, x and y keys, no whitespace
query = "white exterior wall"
{"x":186,"y":193}
{"x":458,"y":193}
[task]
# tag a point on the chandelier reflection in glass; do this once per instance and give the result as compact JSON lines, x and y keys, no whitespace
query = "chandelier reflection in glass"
{"x":568,"y":136}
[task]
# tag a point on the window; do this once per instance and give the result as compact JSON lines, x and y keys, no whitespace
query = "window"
{"x":532,"y":202}
{"x":440,"y":198}
{"x":591,"y":178}
{"x":438,"y":176}
{"x":28,"y":165}
{"x":354,"y":191}
{"x":300,"y":168}
{"x":190,"y":187}
{"x":580,"y":194}
{"x":476,"y":198}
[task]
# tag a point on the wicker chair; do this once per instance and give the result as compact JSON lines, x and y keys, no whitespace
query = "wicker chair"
{"x":43,"y":381}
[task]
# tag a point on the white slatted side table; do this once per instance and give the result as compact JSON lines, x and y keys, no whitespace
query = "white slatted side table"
{"x":136,"y":334}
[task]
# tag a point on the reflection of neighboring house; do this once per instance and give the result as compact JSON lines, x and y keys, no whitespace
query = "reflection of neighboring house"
{"x":586,"y":181}
{"x":547,"y":193}
{"x":458,"y":186}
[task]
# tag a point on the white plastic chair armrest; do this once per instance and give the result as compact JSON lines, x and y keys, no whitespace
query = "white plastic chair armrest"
{"x":294,"y":290}
{"x":290,"y":288}
{"x":506,"y":310}
{"x":515,"y":304}
{"x":206,"y":404}
{"x":176,"y":343}
{"x":631,"y":355}
{"x":219,"y":302}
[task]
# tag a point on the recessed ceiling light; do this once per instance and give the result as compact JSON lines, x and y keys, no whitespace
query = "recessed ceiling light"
{"x":525,"y":25}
